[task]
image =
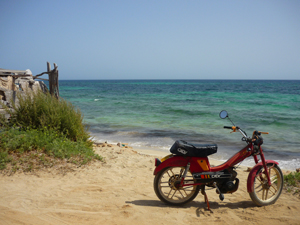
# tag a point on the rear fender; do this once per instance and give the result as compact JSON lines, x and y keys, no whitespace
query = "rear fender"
{"x":171,"y":161}
{"x":197,"y":164}
{"x":253,"y":172}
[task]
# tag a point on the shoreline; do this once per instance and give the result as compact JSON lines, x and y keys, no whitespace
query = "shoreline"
{"x":247,"y":163}
{"x":286,"y":162}
{"x":161,"y":154}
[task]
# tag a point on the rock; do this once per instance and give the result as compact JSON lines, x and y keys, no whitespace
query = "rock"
{"x":123,"y":145}
{"x":10,"y":89}
{"x":249,"y":169}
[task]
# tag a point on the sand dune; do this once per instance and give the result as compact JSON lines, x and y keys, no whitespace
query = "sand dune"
{"x":120,"y":191}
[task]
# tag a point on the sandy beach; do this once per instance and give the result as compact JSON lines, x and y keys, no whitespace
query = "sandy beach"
{"x":120,"y":191}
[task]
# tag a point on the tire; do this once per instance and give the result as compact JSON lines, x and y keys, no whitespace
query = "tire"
{"x":263,"y":194}
{"x":166,"y":186}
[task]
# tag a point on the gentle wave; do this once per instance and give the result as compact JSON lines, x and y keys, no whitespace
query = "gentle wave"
{"x":156,"y":112}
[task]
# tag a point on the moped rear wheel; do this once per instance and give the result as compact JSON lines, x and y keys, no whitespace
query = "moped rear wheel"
{"x":264,"y":194}
{"x":167,"y":186}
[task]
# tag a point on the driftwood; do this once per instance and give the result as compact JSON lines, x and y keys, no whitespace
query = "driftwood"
{"x":53,"y":79}
{"x":9,"y":72}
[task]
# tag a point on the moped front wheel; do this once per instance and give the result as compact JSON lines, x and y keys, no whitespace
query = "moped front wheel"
{"x":168,"y":189}
{"x":264,"y":194}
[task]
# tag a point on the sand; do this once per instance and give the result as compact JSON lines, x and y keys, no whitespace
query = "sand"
{"x":120,"y":191}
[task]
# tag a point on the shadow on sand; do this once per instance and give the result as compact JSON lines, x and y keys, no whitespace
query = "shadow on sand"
{"x":201,"y":207}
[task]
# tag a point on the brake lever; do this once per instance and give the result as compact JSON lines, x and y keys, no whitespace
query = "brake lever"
{"x":249,"y":140}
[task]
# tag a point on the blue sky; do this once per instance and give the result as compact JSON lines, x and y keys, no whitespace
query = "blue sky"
{"x":153,"y":39}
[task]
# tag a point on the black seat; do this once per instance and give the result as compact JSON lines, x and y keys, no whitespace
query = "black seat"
{"x":195,"y":150}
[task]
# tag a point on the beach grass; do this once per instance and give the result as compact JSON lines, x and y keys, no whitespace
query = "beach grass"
{"x":41,"y":111}
{"x":292,"y":182}
{"x":41,"y":129}
{"x":15,"y":143}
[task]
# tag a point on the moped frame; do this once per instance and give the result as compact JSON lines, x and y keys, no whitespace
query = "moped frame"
{"x":201,"y":164}
{"x":205,"y":175}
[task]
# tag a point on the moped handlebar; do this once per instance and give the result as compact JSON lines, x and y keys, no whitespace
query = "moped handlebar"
{"x":224,"y":114}
{"x":234,"y":129}
{"x":263,"y":132}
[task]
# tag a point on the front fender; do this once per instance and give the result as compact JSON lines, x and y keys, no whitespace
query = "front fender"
{"x":253,"y":172}
{"x":172,"y":161}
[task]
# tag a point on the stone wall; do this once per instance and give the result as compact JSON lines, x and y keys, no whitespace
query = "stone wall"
{"x":9,"y":87}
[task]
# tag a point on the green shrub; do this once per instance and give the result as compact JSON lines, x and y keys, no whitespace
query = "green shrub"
{"x":4,"y":158}
{"x":292,"y":182}
{"x":292,"y":179}
{"x":44,"y":112}
{"x":40,"y":127}
{"x":19,"y":142}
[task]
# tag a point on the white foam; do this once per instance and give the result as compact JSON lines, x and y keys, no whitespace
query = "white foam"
{"x":164,"y":144}
{"x":283,"y":164}
{"x":290,"y":164}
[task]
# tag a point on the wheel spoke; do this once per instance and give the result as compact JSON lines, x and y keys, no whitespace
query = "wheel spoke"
{"x":185,"y":191}
{"x":267,"y":191}
{"x":274,"y":179}
{"x":259,"y":186}
{"x":270,"y":171}
{"x":261,"y":182}
{"x":169,"y":188}
{"x":273,"y":192}
{"x":265,"y":194}
{"x":181,"y":193}
{"x":172,"y":172}
{"x":168,"y":174}
{"x":181,"y":171}
{"x":259,"y":190}
{"x":174,"y":193}
{"x":165,"y":186}
{"x":169,"y":193}
{"x":165,"y":182}
{"x":260,"y":178}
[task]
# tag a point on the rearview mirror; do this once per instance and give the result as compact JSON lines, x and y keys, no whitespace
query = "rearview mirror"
{"x":223,"y":114}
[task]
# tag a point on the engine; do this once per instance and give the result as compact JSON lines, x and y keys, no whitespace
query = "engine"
{"x":230,"y":185}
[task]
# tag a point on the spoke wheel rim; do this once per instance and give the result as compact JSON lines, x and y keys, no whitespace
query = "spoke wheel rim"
{"x":263,"y":191}
{"x":169,"y":185}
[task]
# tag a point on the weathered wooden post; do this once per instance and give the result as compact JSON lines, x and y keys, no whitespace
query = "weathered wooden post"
{"x":14,"y":90}
{"x":53,"y":79}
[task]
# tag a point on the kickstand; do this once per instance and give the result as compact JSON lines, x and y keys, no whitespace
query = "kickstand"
{"x":205,"y":198}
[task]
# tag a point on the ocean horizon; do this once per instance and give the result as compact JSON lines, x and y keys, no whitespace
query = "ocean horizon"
{"x":155,"y":113}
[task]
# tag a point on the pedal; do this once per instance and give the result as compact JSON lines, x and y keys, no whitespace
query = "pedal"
{"x":221,"y":196}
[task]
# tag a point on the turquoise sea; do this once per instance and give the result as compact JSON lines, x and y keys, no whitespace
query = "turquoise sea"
{"x":155,"y":113}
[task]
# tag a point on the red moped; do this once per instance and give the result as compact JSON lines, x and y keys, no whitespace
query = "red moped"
{"x":181,"y":175}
